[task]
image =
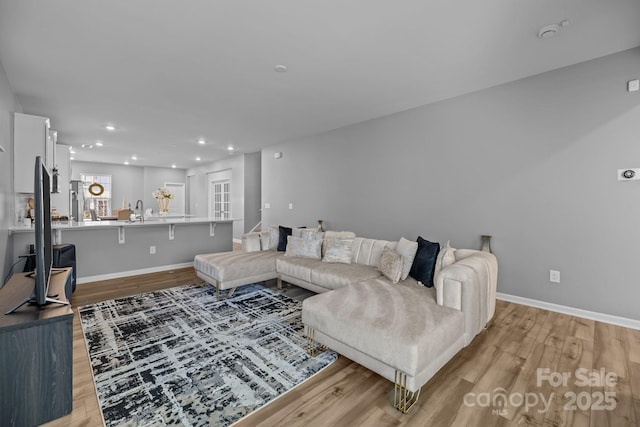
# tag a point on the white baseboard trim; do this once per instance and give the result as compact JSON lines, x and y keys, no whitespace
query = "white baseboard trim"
{"x":578,"y":312}
{"x":88,"y":279}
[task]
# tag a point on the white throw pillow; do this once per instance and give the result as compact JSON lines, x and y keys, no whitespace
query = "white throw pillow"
{"x":408,"y":250}
{"x":337,"y":250}
{"x":265,"y":240}
{"x":274,"y":237}
{"x":446,"y":256}
{"x":305,"y":248}
{"x":251,"y":242}
{"x":390,"y":265}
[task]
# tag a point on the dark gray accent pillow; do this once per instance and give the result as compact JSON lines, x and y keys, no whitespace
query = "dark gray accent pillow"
{"x":424,"y":262}
{"x":282,"y":240}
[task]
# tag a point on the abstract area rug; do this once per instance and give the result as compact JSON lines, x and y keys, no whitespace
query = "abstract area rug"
{"x":181,"y":357}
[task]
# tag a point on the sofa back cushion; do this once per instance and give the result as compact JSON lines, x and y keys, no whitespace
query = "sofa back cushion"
{"x":368,"y":251}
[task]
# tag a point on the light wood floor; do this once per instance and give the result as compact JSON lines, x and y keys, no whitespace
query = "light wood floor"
{"x":507,"y":355}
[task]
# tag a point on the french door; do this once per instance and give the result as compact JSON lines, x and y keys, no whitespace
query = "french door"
{"x":220,"y":199}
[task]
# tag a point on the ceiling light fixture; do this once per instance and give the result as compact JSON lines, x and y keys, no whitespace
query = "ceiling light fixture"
{"x":134,"y":157}
{"x":173,"y":166}
{"x":72,"y":151}
{"x":552,"y":29}
{"x":71,"y":158}
{"x":126,"y":163}
{"x":86,"y":146}
{"x":201,"y":141}
{"x":280,"y":68}
{"x":197,"y":159}
{"x":99,"y":143}
{"x":110,"y":127}
{"x":230,"y":148}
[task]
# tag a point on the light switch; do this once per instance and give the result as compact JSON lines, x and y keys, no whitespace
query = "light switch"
{"x":290,"y":205}
{"x":267,"y":205}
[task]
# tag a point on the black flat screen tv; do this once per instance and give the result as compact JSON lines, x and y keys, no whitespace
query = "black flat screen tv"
{"x":43,"y":244}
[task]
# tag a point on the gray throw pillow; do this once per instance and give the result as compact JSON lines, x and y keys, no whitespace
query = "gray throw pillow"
{"x":337,"y":250}
{"x":304,"y":248}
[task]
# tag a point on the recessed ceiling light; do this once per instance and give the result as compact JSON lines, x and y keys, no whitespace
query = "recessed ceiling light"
{"x":197,"y":159}
{"x":134,"y":157}
{"x":173,"y":166}
{"x":201,"y":141}
{"x":110,"y":127}
{"x":71,"y":158}
{"x":86,"y":146}
{"x":72,"y":152}
{"x":230,"y":148}
{"x":99,"y":143}
{"x":552,"y":29}
{"x":126,"y":163}
{"x":280,"y":68}
{"x":548,"y":31}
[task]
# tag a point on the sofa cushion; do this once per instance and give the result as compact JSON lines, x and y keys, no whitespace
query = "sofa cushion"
{"x":227,"y":266}
{"x":408,"y":250}
{"x":336,"y":275}
{"x":301,"y":247}
{"x":390,"y":265}
{"x":367,"y":251}
{"x":401,"y":326}
{"x":300,"y":268}
{"x":424,"y":262}
{"x":337,"y":250}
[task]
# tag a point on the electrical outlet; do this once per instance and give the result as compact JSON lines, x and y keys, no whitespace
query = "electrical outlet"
{"x":290,"y":205}
{"x":152,"y":250}
{"x":554,"y":276}
{"x":633,"y":85}
{"x":267,"y":205}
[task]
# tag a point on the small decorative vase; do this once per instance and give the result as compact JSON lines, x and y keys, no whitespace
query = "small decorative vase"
{"x":163,"y":206}
{"x":320,"y":226}
{"x":486,"y":244}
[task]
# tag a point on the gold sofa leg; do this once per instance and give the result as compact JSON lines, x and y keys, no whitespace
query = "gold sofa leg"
{"x":403,"y":399}
{"x":312,"y":348}
{"x":229,"y":294}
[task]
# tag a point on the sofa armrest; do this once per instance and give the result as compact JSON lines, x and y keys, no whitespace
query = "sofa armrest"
{"x":469,"y":285}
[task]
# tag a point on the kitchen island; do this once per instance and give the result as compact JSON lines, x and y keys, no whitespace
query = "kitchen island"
{"x":111,"y":249}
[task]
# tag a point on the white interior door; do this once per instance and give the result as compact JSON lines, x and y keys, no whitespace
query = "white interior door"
{"x":177,"y":204}
{"x":221,"y":199}
{"x":219,"y":194}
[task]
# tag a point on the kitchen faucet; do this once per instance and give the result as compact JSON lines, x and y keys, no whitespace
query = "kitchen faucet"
{"x":139,"y":202}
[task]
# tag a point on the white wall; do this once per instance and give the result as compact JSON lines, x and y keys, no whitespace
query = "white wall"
{"x":8,"y":105}
{"x":532,"y":163}
{"x":235,"y":164}
{"x":131,"y":182}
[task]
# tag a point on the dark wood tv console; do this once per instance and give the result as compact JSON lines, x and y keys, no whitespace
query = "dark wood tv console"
{"x":36,"y":346}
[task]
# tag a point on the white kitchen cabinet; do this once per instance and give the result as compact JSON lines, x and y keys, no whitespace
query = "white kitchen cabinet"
{"x":60,"y":200}
{"x":30,"y":139}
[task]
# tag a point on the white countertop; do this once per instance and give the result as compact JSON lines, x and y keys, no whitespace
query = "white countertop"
{"x":148,"y":222}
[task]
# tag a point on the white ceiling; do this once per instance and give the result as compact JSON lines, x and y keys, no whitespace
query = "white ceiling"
{"x":168,"y":72}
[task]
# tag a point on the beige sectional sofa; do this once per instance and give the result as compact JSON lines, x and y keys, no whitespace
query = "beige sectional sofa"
{"x":403,"y":331}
